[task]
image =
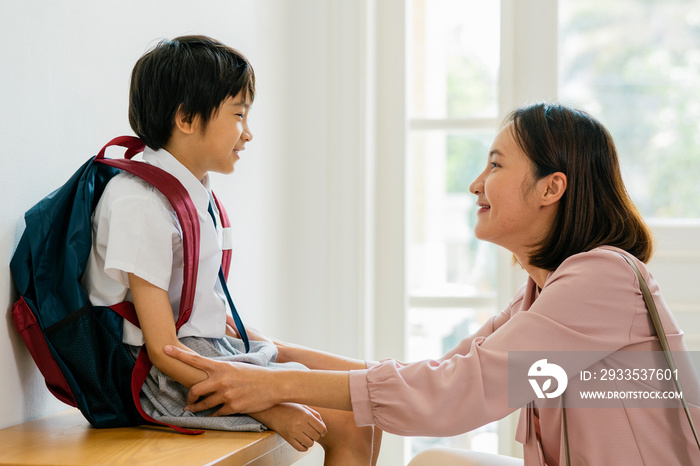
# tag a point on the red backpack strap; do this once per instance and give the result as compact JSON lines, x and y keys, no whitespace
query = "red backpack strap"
{"x":141,"y":369}
{"x":225,"y":223}
{"x":132,"y":145}
{"x":181,"y":203}
{"x":186,"y":213}
{"x":127,"y":311}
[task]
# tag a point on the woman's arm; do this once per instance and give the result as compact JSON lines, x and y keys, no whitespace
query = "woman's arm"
{"x":155,"y":316}
{"x":299,"y":425}
{"x":444,"y":398}
{"x":244,"y":388}
{"x":491,"y":325}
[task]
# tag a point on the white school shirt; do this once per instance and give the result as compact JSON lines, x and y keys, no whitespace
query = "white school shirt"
{"x":136,"y":231}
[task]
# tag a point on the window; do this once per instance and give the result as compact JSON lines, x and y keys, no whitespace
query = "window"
{"x":454,"y":54}
{"x":635,"y":65}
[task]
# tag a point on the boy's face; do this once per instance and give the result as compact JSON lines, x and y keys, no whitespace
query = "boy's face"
{"x":225,"y":135}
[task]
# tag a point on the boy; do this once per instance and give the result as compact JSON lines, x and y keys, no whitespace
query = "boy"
{"x":189,"y":103}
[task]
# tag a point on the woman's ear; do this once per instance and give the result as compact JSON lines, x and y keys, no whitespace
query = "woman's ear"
{"x":554,"y":188}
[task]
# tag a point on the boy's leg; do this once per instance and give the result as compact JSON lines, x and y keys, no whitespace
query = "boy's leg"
{"x":376,"y":443}
{"x":345,"y":443}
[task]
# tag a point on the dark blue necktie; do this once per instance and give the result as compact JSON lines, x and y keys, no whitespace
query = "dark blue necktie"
{"x":234,"y":313}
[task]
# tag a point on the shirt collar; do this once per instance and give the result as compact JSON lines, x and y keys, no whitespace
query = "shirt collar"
{"x":197,"y":189}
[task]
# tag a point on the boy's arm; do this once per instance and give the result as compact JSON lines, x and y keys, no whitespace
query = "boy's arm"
{"x":288,"y":352}
{"x":299,"y":425}
{"x":316,"y":359}
{"x":155,"y":315}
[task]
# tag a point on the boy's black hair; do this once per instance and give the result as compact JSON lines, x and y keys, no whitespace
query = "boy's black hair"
{"x":192,"y":73}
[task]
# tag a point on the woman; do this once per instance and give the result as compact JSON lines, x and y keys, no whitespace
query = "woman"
{"x":552,"y":194}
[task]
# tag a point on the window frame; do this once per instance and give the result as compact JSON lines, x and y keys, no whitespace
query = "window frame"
{"x":528,"y":73}
{"x":527,"y":44}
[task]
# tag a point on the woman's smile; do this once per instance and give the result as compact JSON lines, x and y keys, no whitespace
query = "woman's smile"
{"x":483,"y":207}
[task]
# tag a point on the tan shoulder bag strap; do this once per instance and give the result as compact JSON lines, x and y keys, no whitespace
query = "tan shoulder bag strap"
{"x":651,"y":306}
{"x":661,"y":334}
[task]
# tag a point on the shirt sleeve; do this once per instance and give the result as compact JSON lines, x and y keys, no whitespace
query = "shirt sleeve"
{"x":587,"y":305}
{"x":491,"y":325}
{"x":137,"y":234}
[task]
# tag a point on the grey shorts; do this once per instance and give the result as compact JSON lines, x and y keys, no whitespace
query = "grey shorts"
{"x":164,"y":399}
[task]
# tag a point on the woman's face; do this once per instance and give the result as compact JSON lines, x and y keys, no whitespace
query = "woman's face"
{"x":510,"y":213}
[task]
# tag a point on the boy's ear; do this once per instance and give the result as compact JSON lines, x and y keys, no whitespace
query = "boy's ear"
{"x":183,"y":122}
{"x":554,"y":188}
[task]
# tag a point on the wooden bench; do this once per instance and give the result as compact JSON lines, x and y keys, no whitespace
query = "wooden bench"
{"x":66,"y":438}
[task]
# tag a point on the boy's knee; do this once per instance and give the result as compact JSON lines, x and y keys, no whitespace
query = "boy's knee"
{"x":344,"y":434}
{"x":349,"y":430}
{"x":362,"y":437}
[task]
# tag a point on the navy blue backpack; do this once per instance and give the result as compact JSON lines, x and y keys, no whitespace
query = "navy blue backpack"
{"x":77,"y":346}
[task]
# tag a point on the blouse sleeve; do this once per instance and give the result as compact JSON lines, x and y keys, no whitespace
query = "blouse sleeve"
{"x":491,"y":325}
{"x":587,"y":305}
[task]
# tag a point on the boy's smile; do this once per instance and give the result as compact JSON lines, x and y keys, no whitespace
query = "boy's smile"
{"x":216,"y":146}
{"x":225,"y":135}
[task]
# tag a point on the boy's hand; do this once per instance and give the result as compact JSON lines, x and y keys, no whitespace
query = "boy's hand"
{"x":299,"y":425}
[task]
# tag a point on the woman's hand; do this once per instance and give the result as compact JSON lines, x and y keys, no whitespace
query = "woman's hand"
{"x":238,"y":387}
{"x":299,"y":425}
{"x":244,"y":388}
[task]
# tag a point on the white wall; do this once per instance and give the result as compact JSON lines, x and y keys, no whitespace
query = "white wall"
{"x":295,"y":199}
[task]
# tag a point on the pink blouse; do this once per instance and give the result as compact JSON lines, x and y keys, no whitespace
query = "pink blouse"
{"x":591,"y":304}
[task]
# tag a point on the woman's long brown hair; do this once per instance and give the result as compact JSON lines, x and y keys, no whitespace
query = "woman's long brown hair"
{"x":596,"y":209}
